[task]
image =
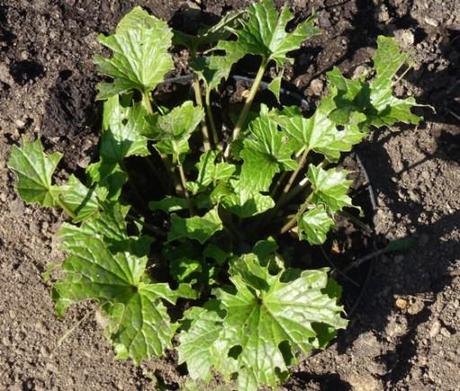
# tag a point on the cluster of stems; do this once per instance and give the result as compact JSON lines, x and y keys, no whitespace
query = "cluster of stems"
{"x":211,"y":139}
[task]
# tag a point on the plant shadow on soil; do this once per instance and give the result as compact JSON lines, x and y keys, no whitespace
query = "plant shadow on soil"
{"x":378,"y":162}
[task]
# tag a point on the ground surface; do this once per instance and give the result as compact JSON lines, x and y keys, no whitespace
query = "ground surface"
{"x":404,"y":335}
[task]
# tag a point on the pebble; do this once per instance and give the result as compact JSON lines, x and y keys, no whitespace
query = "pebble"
{"x":435,"y":328}
{"x":415,"y":307}
{"x":445,"y":332}
{"x":432,"y":22}
{"x":316,"y":86}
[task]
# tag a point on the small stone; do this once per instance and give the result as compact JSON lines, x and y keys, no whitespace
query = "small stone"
{"x":432,"y":22}
{"x":401,"y":303}
{"x":445,"y":332}
{"x":316,"y":86}
{"x":19,"y":123}
{"x":435,"y":328}
{"x":415,"y":307}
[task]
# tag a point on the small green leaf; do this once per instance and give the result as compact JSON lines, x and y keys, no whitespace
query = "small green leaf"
{"x":208,"y":35}
{"x":210,"y":172}
{"x":196,"y":228}
{"x":275,"y":86}
{"x":83,"y":202}
{"x":183,"y":260}
{"x":315,"y":224}
{"x":34,"y":170}
{"x":108,"y":176}
{"x":169,"y":204}
{"x":247,"y":206}
{"x":122,"y":131}
{"x":266,"y":152}
{"x":140,"y":54}
{"x":330,"y":187}
{"x":172,"y":130}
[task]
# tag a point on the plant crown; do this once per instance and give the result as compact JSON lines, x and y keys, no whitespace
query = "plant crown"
{"x":212,"y":239}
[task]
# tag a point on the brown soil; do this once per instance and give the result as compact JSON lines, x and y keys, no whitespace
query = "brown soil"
{"x":404,"y":335}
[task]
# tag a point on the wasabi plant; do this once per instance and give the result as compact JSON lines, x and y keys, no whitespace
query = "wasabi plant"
{"x":232,"y":192}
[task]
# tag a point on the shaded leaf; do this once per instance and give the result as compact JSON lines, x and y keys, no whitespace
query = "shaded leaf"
{"x":195,"y":228}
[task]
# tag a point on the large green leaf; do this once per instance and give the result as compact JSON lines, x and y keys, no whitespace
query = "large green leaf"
{"x":172,"y":130}
{"x":34,"y":170}
{"x":196,"y":228}
{"x":140,"y":54}
{"x":139,"y":325}
{"x":262,"y":320}
{"x":320,"y":133}
{"x":315,"y":224}
{"x":266,"y":152}
{"x":330,"y":187}
{"x":263,"y":32}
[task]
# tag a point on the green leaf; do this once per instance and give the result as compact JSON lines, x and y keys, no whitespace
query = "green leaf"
{"x":108,"y":176}
{"x":375,"y":100}
{"x":247,"y":206}
{"x":83,"y":202}
{"x":266,"y":152}
{"x":183,"y":260}
{"x":208,"y":35}
{"x":260,"y":315}
{"x":210,"y":172}
{"x":122,"y":131}
{"x":169,"y":204}
{"x":275,"y":86}
{"x":140,"y":54}
{"x":264,"y":33}
{"x":387,"y":61}
{"x":173,"y":129}
{"x":320,"y":133}
{"x":139,"y":323}
{"x":196,"y":228}
{"x":315,"y":224}
{"x":330,"y":187}
{"x":34,"y":170}
{"x":198,"y":345}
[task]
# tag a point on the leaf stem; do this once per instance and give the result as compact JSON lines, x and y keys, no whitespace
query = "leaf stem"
{"x":146,"y":102}
{"x":212,"y":123}
{"x":294,"y":175}
{"x":183,"y":181}
{"x":293,"y":221}
{"x":199,"y":102}
{"x":247,"y":104}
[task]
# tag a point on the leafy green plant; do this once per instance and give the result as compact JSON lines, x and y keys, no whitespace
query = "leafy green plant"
{"x":215,"y":239}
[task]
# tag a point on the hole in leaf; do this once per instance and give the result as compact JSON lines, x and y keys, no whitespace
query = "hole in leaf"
{"x":285,"y":350}
{"x":124,"y":121}
{"x":235,"y":351}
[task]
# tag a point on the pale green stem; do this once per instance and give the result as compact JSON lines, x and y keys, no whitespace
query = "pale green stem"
{"x":212,"y":123}
{"x":247,"y":105}
{"x":293,"y":221}
{"x":199,"y":102}
{"x":183,"y":181}
{"x":146,"y":102}
{"x":294,"y":175}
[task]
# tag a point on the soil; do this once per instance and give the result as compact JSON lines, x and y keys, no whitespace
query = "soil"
{"x":405,"y":333}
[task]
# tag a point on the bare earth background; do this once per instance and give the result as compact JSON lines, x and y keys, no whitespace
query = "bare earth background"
{"x":404,"y":335}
